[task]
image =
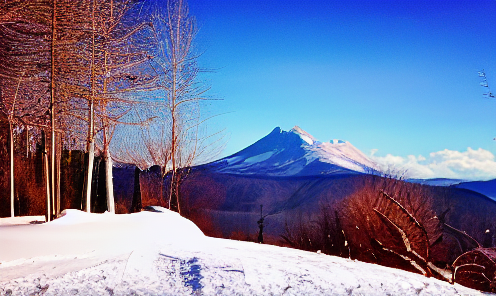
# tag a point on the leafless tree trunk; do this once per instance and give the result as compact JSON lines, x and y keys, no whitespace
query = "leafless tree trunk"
{"x":27,"y":142}
{"x":59,"y":156}
{"x":91,"y":120}
{"x":109,"y":182}
{"x":175,"y":31}
{"x":47,"y":178}
{"x":11,"y":117}
{"x":119,"y":65}
{"x":17,"y":58}
{"x":52,"y":106}
{"x":11,"y":149}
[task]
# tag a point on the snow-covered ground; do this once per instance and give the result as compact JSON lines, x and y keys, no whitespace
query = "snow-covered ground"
{"x":22,"y":220}
{"x":152,"y":253}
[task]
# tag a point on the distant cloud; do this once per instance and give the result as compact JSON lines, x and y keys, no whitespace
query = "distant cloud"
{"x":472,"y":164}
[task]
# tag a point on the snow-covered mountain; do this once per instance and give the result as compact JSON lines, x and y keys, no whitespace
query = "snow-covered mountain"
{"x":296,"y":153}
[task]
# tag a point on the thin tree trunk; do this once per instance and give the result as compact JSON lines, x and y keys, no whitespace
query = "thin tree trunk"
{"x":59,"y":156}
{"x":176,"y":187}
{"x":107,"y":137}
{"x":47,"y":177}
{"x":11,"y":138}
{"x":162,"y":191}
{"x":137,"y":205}
{"x":174,"y":132}
{"x":91,"y":141}
{"x":82,"y":160}
{"x":11,"y":148}
{"x":89,"y":174}
{"x":27,"y":142}
{"x":173,"y":159}
{"x":52,"y":169}
{"x":52,"y":107}
{"x":109,"y":184}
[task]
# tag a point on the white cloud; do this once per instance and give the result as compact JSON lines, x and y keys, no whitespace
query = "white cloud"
{"x":472,"y":164}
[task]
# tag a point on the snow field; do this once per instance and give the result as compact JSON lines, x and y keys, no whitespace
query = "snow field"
{"x":164,"y":254}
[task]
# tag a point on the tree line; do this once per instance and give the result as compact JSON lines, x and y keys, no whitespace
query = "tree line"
{"x":113,"y":78}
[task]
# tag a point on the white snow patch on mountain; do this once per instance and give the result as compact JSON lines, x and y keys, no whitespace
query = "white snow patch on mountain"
{"x":303,"y":135}
{"x":341,"y":153}
{"x":259,"y":157}
{"x":164,"y":254}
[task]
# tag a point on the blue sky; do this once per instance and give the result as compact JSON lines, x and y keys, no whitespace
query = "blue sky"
{"x":395,"y":77}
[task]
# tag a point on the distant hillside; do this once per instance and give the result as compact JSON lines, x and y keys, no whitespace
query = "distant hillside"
{"x":294,"y":176}
{"x":437,"y":181}
{"x":232,"y":202}
{"x":224,"y":205}
{"x":488,"y":188}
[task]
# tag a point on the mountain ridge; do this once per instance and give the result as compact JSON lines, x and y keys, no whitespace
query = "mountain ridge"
{"x":295,"y":153}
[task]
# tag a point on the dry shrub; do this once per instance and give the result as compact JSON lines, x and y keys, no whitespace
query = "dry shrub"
{"x":333,"y":239}
{"x":391,"y":222}
{"x":322,"y":233}
{"x":153,"y":188}
{"x":71,"y":179}
{"x":4,"y":168}
{"x":301,"y":232}
{"x":30,"y":197}
{"x":481,"y":228}
{"x":477,"y":269}
{"x":122,"y":206}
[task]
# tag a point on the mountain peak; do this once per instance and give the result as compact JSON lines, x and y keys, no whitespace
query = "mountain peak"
{"x":303,"y":135}
{"x":277,"y":130}
{"x":296,"y":153}
{"x":336,"y":141}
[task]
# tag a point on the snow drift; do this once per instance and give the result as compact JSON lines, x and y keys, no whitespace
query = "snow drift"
{"x":164,"y":254}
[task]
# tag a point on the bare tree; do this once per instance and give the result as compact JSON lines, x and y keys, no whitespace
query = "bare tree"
{"x":94,"y":58}
{"x":119,"y":74}
{"x":176,"y":63}
{"x":87,"y":70}
{"x":10,"y":117}
{"x":24,"y":28}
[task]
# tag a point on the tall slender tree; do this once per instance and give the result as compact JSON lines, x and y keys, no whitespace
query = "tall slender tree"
{"x":117,"y":64}
{"x":176,"y":63}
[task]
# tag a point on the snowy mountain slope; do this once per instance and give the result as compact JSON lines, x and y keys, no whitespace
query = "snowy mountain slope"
{"x":295,"y":153}
{"x":141,"y":254}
